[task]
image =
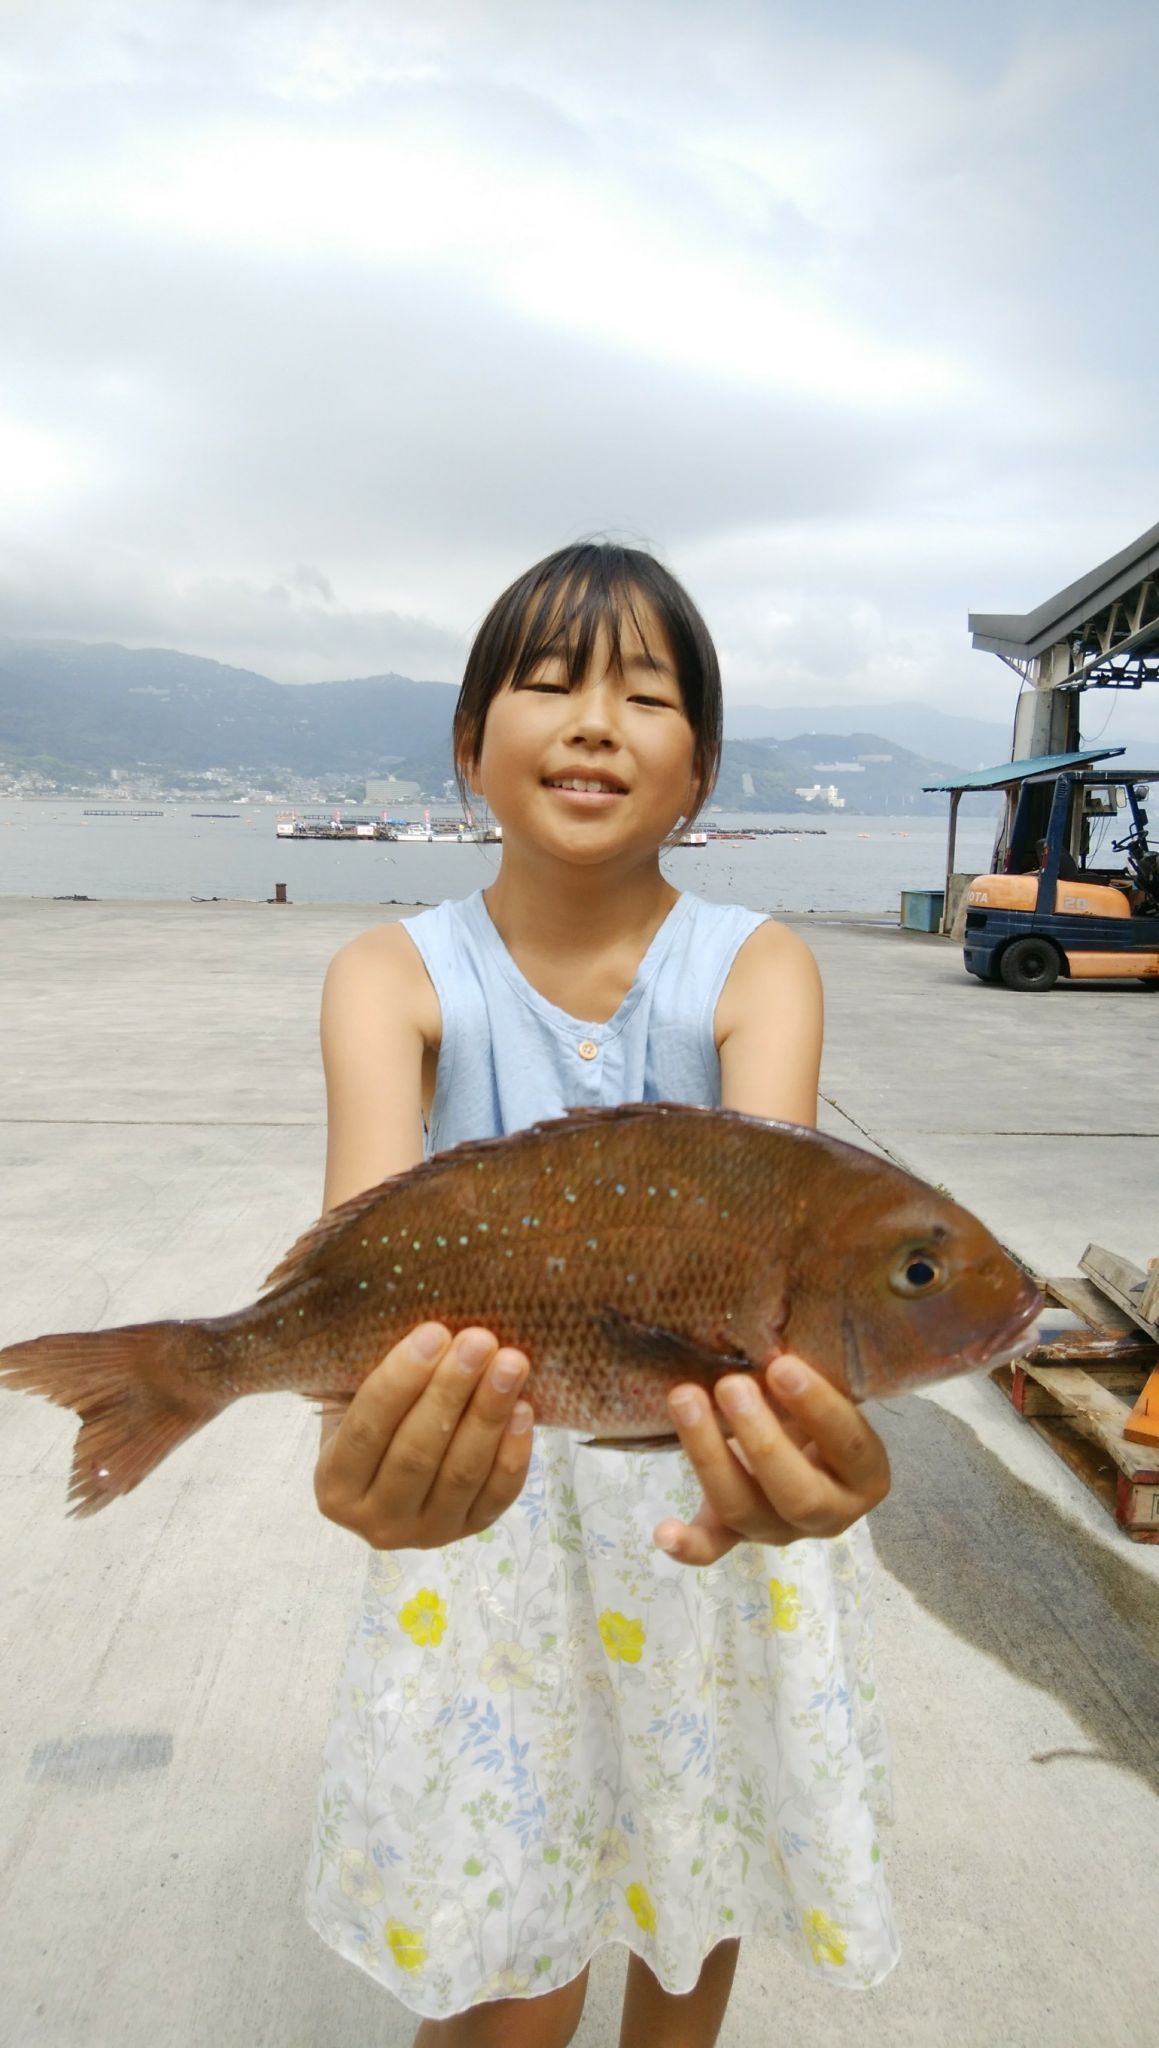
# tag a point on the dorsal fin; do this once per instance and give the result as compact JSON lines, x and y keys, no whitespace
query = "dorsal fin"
{"x":320,"y":1233}
{"x":330,"y":1225}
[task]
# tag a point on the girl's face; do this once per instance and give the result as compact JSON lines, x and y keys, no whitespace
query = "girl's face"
{"x":595,"y":772}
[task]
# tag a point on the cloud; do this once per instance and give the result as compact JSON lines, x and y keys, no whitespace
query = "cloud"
{"x":322,"y":322}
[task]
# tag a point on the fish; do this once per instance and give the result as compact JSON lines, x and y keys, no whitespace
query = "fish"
{"x":623,"y":1250}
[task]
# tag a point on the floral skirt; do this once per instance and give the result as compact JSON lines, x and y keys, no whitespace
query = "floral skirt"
{"x":552,"y":1736}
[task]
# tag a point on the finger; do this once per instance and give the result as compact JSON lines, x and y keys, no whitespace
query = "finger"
{"x":508,"y":1474}
{"x":848,"y":1444}
{"x":410,"y":1465}
{"x":468,"y":1458}
{"x":808,"y":1496}
{"x":728,"y":1489}
{"x":331,"y":1413}
{"x":354,"y":1453}
{"x":699,"y":1542}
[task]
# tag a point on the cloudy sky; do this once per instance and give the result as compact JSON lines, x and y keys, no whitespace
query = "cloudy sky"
{"x":321,"y":321}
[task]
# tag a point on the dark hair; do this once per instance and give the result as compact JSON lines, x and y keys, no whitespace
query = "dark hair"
{"x":557,"y":608}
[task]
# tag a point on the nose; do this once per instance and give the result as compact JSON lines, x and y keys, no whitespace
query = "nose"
{"x":594,"y":715}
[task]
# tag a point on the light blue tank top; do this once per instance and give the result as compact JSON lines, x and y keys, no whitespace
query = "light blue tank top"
{"x":510,"y":1058}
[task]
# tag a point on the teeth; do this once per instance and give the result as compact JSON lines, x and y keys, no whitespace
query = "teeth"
{"x":579,"y":782}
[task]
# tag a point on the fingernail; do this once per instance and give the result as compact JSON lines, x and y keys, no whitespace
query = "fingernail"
{"x":685,"y":1407}
{"x":789,"y":1377}
{"x":428,"y":1340}
{"x":736,"y":1397}
{"x":506,"y":1373}
{"x":521,"y":1419}
{"x":473,"y":1347}
{"x":666,"y":1538}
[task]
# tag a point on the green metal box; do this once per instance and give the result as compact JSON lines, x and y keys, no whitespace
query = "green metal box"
{"x":921,"y":909}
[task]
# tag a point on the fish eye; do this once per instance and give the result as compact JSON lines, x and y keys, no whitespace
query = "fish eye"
{"x":918,"y":1272}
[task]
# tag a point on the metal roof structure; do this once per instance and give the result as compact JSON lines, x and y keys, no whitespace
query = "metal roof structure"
{"x":1108,"y":620}
{"x":1023,"y":771}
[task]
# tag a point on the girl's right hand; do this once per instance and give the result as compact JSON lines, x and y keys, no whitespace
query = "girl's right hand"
{"x":434,"y":1446}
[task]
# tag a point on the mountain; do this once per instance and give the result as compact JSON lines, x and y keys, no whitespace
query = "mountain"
{"x":94,"y":708}
{"x":876,"y":777}
{"x":73,"y":712}
{"x":964,"y":742}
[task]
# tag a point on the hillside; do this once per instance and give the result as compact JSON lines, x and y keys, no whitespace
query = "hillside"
{"x":74,"y":713}
{"x":97,"y":708}
{"x":922,"y":728}
{"x":874,"y":776}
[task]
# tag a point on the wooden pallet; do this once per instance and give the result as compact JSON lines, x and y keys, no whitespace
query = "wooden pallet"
{"x":1077,"y":1389}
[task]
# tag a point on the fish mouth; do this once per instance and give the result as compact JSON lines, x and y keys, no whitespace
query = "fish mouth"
{"x":1012,"y":1339}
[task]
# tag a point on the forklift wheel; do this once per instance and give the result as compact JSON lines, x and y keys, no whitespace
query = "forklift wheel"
{"x":1031,"y":965}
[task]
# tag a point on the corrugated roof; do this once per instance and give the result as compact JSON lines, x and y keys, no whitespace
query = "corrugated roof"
{"x":1021,"y":771}
{"x":1023,"y":634}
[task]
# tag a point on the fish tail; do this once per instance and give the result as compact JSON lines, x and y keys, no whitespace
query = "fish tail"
{"x":138,"y":1391}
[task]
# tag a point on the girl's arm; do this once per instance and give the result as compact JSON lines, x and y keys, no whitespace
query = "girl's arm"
{"x":811,"y":1465}
{"x":435,"y":1443}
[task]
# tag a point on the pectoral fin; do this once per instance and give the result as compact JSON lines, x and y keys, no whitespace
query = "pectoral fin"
{"x":669,"y":1348}
{"x":631,"y":1443}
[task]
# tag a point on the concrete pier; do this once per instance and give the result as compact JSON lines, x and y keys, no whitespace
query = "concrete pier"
{"x":168,"y":1668}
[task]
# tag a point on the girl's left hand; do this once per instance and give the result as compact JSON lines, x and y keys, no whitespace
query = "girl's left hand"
{"x":812,"y":1471}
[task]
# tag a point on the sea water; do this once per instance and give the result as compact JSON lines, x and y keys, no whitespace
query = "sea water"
{"x":857,"y":865}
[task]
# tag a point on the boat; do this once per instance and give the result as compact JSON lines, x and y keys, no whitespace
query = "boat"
{"x":431,"y":831}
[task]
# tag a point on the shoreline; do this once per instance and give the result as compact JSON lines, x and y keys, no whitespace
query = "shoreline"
{"x":882,"y":919}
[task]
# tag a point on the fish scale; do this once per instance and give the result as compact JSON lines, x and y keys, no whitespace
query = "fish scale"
{"x":622,"y":1249}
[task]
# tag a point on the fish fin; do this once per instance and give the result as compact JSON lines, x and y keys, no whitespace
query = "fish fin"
{"x":631,"y":1443}
{"x":138,"y":1391}
{"x":668,"y":1347}
{"x":425,"y":1173}
{"x":319,"y":1234}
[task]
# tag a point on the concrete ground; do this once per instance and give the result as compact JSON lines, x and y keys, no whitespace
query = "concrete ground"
{"x":168,"y":1668}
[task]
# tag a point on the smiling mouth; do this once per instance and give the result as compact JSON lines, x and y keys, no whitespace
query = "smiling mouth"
{"x":586,"y":785}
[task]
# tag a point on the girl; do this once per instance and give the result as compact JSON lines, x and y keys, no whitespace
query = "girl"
{"x":580,"y":1705}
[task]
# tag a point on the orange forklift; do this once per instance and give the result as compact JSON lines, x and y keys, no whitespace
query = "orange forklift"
{"x":1078,"y":896}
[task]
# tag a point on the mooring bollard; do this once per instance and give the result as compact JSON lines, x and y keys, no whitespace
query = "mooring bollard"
{"x":280,"y":892}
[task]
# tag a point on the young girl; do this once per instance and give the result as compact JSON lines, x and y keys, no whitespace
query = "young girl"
{"x":591,"y":1696}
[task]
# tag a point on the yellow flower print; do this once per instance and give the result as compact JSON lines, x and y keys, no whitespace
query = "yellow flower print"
{"x":507,"y":1666}
{"x":384,"y":1571}
{"x":405,"y":1945}
{"x":359,"y":1879}
{"x":424,"y":1618}
{"x":610,"y":1854}
{"x":786,"y":1605}
{"x":642,"y":1907}
{"x":826,"y":1941}
{"x":502,"y":1984}
{"x":620,"y":1637}
{"x":748,"y":1561}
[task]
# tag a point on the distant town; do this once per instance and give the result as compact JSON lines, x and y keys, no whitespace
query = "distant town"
{"x":116,"y":725}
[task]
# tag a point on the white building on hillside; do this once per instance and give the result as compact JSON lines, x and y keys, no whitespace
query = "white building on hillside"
{"x":826,"y":796}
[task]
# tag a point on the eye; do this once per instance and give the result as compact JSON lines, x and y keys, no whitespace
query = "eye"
{"x":918,"y":1272}
{"x":657,"y":703}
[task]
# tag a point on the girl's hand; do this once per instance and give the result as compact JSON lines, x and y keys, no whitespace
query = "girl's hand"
{"x":435,"y":1444}
{"x":811,"y":1474}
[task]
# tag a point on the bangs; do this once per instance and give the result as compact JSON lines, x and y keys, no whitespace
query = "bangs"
{"x":569,"y":613}
{"x":557,"y":612}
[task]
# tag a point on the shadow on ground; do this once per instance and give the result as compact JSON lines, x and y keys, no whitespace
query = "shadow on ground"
{"x":998,"y":1564}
